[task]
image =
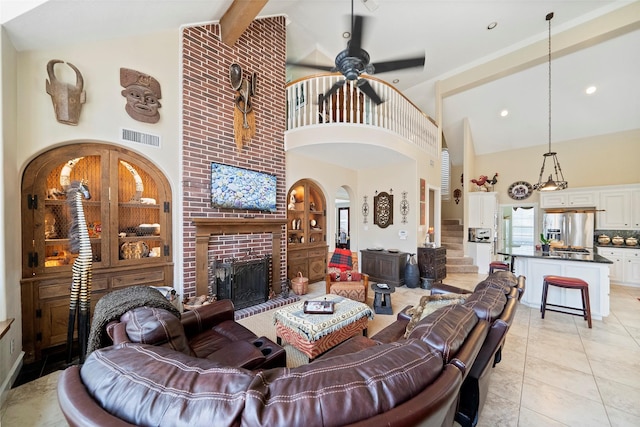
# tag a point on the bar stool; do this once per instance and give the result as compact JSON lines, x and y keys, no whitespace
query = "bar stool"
{"x":567,"y":283}
{"x":498,"y":266}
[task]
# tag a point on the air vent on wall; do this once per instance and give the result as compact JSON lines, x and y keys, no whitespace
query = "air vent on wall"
{"x":129,"y":135}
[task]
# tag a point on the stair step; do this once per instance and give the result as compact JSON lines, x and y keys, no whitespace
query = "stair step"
{"x":452,"y":227}
{"x":462,"y":269}
{"x":455,"y":253}
{"x":459,"y":261}
{"x":453,"y":247}
{"x":450,"y":221}
{"x":451,"y":239}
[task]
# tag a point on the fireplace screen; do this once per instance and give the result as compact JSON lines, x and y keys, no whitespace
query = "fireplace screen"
{"x":245,"y":282}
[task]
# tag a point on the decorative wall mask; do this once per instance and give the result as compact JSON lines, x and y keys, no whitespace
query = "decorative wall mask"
{"x":383,"y":209}
{"x":67,"y":98}
{"x":142,"y":93}
{"x":244,"y":119}
{"x":457,"y":193}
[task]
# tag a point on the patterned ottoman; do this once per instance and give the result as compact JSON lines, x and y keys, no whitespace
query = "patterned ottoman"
{"x":313,"y":334}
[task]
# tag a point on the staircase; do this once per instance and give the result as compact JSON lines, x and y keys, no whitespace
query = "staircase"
{"x":452,"y":238}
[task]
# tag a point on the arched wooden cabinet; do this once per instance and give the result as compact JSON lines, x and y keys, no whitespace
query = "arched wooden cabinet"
{"x":306,"y":231}
{"x":129,"y":222}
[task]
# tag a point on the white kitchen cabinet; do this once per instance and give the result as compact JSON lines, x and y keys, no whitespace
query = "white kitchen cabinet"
{"x":482,"y":254}
{"x":631,"y":269}
{"x":625,"y":269}
{"x":568,"y":199}
{"x":483,"y":210}
{"x":616,"y":256}
{"x":615,"y":210}
{"x":635,"y":209}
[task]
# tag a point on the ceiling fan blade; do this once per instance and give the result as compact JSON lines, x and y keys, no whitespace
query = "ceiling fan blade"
{"x":337,"y":85}
{"x":356,"y":36}
{"x":317,"y":67}
{"x":383,"y":67}
{"x":366,"y":88}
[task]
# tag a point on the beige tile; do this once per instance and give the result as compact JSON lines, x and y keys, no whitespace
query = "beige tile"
{"x":620,"y":396}
{"x":604,"y":352}
{"x":34,"y":404}
{"x":619,"y":418}
{"x":529,"y":418}
{"x":498,"y":412}
{"x":624,"y":371}
{"x":563,"y":406}
{"x":571,"y":380}
{"x":507,"y":383}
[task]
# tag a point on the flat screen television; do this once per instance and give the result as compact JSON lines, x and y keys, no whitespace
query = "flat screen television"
{"x":234,"y":187}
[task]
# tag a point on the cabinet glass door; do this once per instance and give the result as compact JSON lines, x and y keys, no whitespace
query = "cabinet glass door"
{"x":139,"y":214}
{"x":58,"y":219}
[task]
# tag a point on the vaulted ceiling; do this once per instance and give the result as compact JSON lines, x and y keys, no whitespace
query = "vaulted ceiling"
{"x":484,"y":71}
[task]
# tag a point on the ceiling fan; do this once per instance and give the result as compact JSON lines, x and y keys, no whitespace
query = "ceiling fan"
{"x":353,"y":61}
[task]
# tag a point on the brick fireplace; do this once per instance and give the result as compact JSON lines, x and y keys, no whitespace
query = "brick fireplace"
{"x":208,"y":136}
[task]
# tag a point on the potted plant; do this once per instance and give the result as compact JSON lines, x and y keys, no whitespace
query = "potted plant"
{"x":546,"y":243}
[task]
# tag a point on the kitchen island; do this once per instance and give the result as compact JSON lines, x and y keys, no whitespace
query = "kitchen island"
{"x":590,"y":267}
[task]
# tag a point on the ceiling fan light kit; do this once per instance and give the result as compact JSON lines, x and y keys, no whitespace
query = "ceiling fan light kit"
{"x":556,"y":179}
{"x":354,"y":61}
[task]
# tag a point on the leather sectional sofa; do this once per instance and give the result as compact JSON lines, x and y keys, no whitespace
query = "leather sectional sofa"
{"x":384,"y":380}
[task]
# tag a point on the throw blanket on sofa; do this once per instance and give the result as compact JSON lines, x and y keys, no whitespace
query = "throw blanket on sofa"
{"x":115,"y":304}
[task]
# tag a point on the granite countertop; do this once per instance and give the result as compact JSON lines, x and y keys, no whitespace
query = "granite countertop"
{"x":552,"y":255}
{"x":618,"y":246}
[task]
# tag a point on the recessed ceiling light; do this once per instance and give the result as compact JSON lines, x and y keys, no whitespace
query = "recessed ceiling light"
{"x":346,"y":35}
{"x":492,"y":25}
{"x":396,"y":80}
{"x":504,"y":113}
{"x":591,"y":90}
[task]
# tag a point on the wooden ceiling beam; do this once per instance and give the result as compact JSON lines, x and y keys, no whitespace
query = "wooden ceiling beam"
{"x":237,"y":19}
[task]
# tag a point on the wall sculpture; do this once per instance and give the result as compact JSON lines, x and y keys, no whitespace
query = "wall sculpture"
{"x":67,"y":98}
{"x":142,"y":93}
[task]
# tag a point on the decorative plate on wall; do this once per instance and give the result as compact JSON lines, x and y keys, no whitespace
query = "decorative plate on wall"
{"x":520,"y":190}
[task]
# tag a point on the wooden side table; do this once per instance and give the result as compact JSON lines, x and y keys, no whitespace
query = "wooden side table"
{"x":382,"y":299}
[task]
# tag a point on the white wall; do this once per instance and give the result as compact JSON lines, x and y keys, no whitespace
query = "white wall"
{"x":103,"y":115}
{"x":10,"y":361}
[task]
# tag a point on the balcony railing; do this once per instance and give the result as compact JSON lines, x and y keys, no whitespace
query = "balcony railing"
{"x":349,"y":105}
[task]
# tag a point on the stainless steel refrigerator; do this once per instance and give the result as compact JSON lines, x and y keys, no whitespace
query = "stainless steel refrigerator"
{"x":574,"y":228}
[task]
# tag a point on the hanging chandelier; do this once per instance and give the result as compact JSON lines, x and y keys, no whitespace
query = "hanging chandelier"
{"x":556,"y":180}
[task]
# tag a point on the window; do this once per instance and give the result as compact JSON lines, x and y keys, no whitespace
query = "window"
{"x":445,"y":169}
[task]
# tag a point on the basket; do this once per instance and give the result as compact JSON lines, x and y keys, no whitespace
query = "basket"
{"x":300,"y":285}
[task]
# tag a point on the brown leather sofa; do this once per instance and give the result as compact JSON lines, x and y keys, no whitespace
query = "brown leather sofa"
{"x":208,"y":332}
{"x":494,"y":300}
{"x":403,"y":382}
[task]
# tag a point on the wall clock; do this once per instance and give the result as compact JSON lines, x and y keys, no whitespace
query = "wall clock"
{"x":520,"y":190}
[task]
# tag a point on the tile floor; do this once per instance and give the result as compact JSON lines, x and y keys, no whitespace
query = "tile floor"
{"x":554,"y":372}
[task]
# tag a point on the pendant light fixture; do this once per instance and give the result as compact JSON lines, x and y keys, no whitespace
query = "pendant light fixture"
{"x":556,"y":179}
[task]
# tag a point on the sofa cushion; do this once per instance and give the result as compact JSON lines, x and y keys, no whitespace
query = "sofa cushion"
{"x":428,"y":304}
{"x":488,"y":303}
{"x":156,"y":326}
{"x":342,"y":389}
{"x":446,"y":329}
{"x":500,"y":285}
{"x":341,"y":259}
{"x":150,"y":385}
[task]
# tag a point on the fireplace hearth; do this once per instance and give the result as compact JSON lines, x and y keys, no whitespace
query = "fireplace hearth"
{"x":243,"y":281}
